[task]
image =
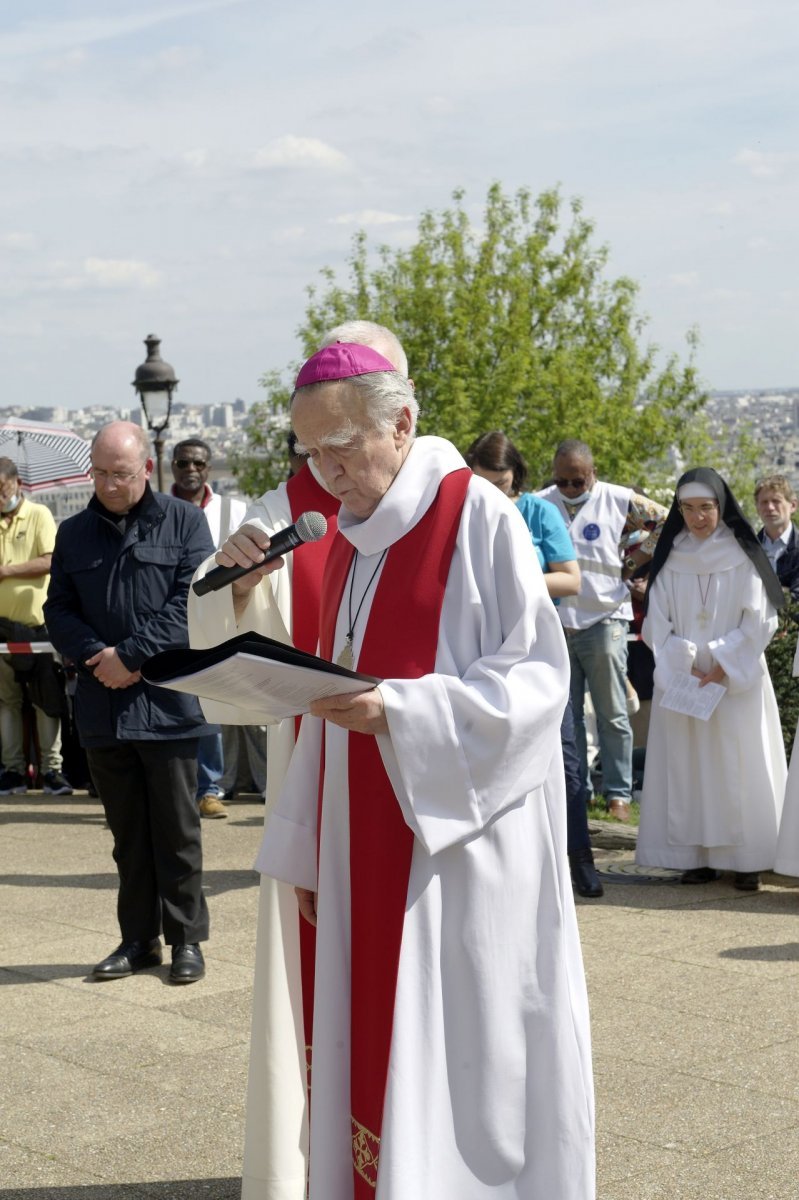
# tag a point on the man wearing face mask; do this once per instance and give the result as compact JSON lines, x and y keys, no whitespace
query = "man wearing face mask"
{"x":600,"y":517}
{"x":27,"y":536}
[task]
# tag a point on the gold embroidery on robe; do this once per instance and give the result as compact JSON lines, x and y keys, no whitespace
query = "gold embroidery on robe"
{"x":365,"y":1152}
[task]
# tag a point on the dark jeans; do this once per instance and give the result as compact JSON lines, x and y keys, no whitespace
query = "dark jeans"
{"x":577,"y":837}
{"x":148,"y":793}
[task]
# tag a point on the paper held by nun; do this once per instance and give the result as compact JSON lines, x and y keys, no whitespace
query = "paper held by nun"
{"x":271,"y":680}
{"x":684,"y":695}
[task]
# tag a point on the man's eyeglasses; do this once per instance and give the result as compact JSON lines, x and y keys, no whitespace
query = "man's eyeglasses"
{"x":115,"y":477}
{"x":580,"y":481}
{"x":183,"y":463}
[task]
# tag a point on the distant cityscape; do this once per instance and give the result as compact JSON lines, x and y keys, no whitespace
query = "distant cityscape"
{"x":771,"y":414}
{"x":221,"y":425}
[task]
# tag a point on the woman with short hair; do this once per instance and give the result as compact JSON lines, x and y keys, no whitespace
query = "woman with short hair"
{"x":494,"y":456}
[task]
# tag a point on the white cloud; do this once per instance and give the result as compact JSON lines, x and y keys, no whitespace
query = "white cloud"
{"x":758,"y":243}
{"x":173,"y":58}
{"x":121,"y":273}
{"x":439,"y":106}
{"x":51,"y":37}
{"x":72,"y":60}
{"x":729,"y":295}
{"x":724,"y":208}
{"x":291,"y":151}
{"x":17,"y":241}
{"x":685,"y":279}
{"x":765,"y":164}
{"x":369,"y":216}
{"x":198,"y":157}
{"x":288,"y":235}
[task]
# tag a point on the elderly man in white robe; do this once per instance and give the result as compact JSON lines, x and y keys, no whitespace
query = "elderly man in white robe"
{"x":451,"y":1049}
{"x":713,"y":789}
{"x":284,"y":606}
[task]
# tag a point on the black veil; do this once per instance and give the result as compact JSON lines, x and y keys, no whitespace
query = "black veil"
{"x":732,"y":517}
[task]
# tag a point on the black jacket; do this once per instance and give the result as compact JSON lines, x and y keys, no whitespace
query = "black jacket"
{"x":128,"y":590}
{"x":787,"y":563}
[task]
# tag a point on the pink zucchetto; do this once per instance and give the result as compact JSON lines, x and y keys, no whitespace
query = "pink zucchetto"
{"x":341,"y":361}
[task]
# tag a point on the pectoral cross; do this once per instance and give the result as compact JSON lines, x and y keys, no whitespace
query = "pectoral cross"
{"x":345,"y":658}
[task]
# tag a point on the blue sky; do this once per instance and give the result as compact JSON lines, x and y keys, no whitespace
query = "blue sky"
{"x":187,"y":168}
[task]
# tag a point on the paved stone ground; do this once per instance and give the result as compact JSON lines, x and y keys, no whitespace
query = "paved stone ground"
{"x":135,"y":1089}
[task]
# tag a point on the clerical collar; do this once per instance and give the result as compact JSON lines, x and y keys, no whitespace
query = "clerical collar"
{"x":122,"y":520}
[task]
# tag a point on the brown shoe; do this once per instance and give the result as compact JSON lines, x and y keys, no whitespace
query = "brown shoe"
{"x":212,"y":806}
{"x":619,"y":809}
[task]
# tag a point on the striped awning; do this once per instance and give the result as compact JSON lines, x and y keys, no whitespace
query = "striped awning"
{"x":47,"y":456}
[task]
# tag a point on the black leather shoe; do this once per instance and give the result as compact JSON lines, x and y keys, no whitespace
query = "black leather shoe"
{"x":700,"y":875}
{"x":188,"y":964}
{"x":127,"y":958}
{"x":584,"y":877}
{"x":746,"y":881}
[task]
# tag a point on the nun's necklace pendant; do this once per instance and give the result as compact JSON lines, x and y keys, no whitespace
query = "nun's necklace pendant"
{"x":703,"y":616}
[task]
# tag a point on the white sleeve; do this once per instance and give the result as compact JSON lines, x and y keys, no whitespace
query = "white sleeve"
{"x":289,"y":847}
{"x":740,"y":651}
{"x":212,"y":619}
{"x":478,"y":735}
{"x":673,"y":655}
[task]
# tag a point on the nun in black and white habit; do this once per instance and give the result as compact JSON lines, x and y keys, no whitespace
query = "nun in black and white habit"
{"x":713,"y":789}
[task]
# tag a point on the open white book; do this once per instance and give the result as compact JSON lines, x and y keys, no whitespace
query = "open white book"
{"x":684,"y":695}
{"x":271,"y":680}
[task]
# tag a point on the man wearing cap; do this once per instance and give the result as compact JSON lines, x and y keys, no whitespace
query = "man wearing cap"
{"x":451,"y":1050}
{"x":600,"y":517}
{"x":285,"y":606}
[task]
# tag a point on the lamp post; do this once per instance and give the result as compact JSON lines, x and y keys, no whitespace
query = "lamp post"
{"x":155,"y":382}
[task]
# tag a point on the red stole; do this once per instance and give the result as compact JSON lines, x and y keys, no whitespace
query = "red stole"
{"x":400,"y":642}
{"x":308,"y":562}
{"x":308,"y":567}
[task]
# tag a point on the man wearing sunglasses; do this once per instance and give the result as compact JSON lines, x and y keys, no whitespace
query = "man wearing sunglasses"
{"x":191,"y":462}
{"x":601,"y":517}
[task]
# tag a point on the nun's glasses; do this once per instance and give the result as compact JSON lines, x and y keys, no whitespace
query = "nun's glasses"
{"x":698,"y":510}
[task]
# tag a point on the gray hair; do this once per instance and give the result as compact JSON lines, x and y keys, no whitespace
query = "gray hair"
{"x":574,"y":448}
{"x":369,"y":333}
{"x":386,"y":393}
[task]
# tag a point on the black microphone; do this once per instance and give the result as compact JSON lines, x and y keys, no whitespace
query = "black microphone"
{"x":310,"y":527}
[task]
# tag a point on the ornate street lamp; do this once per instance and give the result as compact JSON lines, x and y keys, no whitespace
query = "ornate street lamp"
{"x":155,"y":382}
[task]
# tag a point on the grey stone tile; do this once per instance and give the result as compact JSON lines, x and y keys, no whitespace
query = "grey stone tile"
{"x":126,"y":1038}
{"x":685,"y":1111}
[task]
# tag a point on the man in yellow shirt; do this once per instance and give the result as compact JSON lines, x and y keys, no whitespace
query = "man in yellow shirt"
{"x":27,"y":536}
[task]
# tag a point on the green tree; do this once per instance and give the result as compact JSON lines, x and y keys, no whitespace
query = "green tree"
{"x":779,"y":657}
{"x":735,"y":457}
{"x":515,"y":326}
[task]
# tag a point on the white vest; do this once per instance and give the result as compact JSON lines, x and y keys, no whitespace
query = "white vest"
{"x":224,"y":515}
{"x":596,"y":532}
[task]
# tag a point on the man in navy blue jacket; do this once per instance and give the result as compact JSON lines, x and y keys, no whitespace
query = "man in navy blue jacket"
{"x":120,"y":576}
{"x":775,"y":501}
